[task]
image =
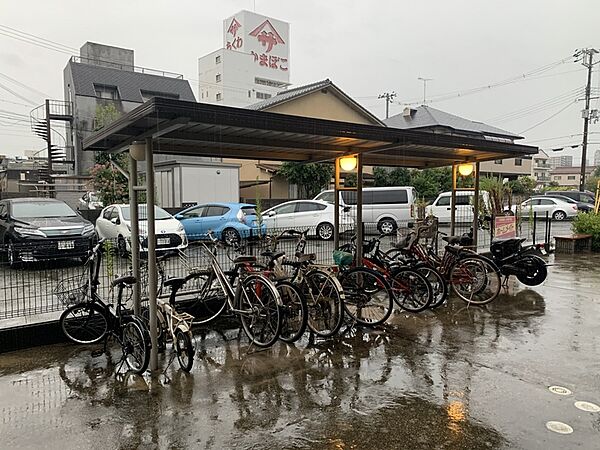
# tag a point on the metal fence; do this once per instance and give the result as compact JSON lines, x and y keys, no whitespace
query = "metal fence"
{"x":29,"y":289}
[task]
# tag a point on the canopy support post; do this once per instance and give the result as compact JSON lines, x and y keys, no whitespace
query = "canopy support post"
{"x":152,"y":272}
{"x":135,"y":232}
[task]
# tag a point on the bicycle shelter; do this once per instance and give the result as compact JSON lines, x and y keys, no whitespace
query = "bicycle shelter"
{"x":175,"y":127}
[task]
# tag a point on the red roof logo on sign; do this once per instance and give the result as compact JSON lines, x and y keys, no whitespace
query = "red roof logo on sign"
{"x":234,"y":26}
{"x":267,"y":35}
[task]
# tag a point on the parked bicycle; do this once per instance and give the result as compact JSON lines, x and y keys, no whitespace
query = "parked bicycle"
{"x":411,"y":289}
{"x":320,"y":289}
{"x":247,"y":294}
{"x":89,"y":319}
{"x":474,"y":278}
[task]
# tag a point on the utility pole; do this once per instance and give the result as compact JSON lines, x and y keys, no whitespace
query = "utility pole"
{"x":587,"y":56}
{"x":424,"y":80}
{"x":389,"y":97}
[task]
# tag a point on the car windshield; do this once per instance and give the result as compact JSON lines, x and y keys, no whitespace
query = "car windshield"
{"x":93,"y":197}
{"x":159,"y":213}
{"x":249,"y":210}
{"x":28,"y":210}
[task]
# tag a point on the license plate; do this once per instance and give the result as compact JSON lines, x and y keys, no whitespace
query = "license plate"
{"x":163,"y":241}
{"x":66,"y":245}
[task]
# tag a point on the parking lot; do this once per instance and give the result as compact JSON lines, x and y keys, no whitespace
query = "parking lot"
{"x":456,"y":377}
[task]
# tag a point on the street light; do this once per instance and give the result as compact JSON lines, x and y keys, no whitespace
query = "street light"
{"x":348,"y":163}
{"x":465,"y":169}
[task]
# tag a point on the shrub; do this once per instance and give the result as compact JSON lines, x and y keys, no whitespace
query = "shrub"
{"x":588,"y":223}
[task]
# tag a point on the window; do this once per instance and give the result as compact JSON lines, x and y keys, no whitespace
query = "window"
{"x":218,"y":59}
{"x":271,"y":83}
{"x":518,"y":161}
{"x":262,"y":95}
{"x":586,"y":198}
{"x":147,"y":95}
{"x":249,"y":93}
{"x":545,"y":202}
{"x":219,"y":97}
{"x":218,"y":78}
{"x":2,"y":210}
{"x":393,"y":196}
{"x":463,"y":200}
{"x":571,"y":177}
{"x":107,"y":213}
{"x":443,"y":201}
{"x":557,"y":177}
{"x":309,"y":207}
{"x":114,"y":214}
{"x":498,"y":161}
{"x":196,"y":212}
{"x":326,"y":197}
{"x":285,"y":209}
{"x":107,"y":92}
{"x":215,"y":210}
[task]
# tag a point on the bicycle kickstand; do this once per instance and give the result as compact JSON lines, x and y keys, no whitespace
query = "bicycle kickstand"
{"x":171,"y":359}
{"x":505,"y":282}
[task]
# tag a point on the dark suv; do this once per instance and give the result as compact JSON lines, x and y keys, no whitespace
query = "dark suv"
{"x":34,"y":229}
{"x":578,"y":196}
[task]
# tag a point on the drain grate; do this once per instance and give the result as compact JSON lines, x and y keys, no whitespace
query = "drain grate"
{"x":559,"y":427}
{"x":559,"y":390}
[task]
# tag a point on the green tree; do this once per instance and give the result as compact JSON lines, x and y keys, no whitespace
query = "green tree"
{"x":110,"y":184}
{"x":310,"y":178}
{"x":399,"y":176}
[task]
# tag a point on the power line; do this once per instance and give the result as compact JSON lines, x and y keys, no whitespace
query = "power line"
{"x":16,"y":94}
{"x":545,"y":104}
{"x":38,"y":37}
{"x":36,"y":40}
{"x":514,"y":79}
{"x":548,"y":118}
{"x":23,"y":85}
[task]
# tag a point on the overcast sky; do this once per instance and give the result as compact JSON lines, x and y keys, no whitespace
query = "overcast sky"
{"x":366,"y":48}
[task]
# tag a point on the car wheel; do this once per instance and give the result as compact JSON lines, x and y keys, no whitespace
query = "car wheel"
{"x":122,"y":247}
{"x":386,"y":226}
{"x":559,"y":215}
{"x":230,"y":236}
{"x":325,"y":231}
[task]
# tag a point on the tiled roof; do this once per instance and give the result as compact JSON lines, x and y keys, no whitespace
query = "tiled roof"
{"x":300,"y":91}
{"x":129,"y":83}
{"x":428,"y":117}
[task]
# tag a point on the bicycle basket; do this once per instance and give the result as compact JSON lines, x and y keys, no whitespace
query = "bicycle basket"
{"x":72,"y":290}
{"x":341,"y":258}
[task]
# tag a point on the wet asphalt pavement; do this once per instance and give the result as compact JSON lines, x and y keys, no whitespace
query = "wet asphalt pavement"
{"x":455,"y":378}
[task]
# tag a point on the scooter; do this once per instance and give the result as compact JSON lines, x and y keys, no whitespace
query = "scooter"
{"x":512,"y":258}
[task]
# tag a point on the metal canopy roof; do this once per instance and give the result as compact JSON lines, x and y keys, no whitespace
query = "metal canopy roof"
{"x":188,"y":128}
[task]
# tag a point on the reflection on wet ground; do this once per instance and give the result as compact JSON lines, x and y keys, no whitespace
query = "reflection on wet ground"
{"x":458,"y":377}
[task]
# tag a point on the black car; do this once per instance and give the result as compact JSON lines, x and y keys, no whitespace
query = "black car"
{"x":33,"y":229}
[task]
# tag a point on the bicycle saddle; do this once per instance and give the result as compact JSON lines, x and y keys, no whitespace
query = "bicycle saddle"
{"x":272,"y":255}
{"x":244,"y":259}
{"x":175,"y":282}
{"x":126,"y":280}
{"x":304,"y":257}
{"x":452,"y":240}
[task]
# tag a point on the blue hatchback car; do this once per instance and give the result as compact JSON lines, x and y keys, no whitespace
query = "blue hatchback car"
{"x":229,"y":221}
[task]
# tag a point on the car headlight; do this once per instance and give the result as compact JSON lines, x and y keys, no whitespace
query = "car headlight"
{"x":180,"y":228}
{"x":88,"y":229}
{"x":29,"y":232}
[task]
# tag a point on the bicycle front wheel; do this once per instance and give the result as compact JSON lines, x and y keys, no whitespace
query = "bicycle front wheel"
{"x":185,"y":349}
{"x":367,"y":296}
{"x":412,"y":291}
{"x":475,"y":280}
{"x":325,"y":299}
{"x":294,"y":312}
{"x":260,"y":304}
{"x":84,"y":323}
{"x":136,"y":345}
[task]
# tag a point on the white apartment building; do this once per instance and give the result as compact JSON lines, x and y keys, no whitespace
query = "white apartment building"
{"x":253,"y":64}
{"x":540,"y":168}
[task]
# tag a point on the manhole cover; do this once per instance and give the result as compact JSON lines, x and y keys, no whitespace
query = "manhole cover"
{"x":587,"y":406}
{"x":559,"y":390}
{"x":559,"y":427}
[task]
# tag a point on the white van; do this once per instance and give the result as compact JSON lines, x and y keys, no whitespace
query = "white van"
{"x":383,"y":206}
{"x":441,"y":207}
